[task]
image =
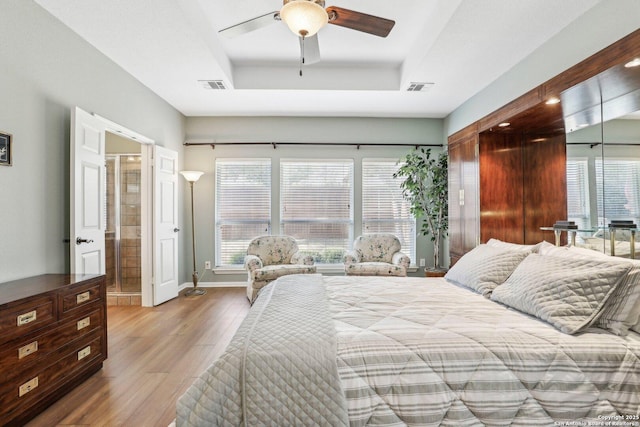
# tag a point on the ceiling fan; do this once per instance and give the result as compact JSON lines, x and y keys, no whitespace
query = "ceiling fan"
{"x":306,"y":17}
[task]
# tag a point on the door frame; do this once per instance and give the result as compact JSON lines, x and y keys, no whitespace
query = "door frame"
{"x":146,"y":223}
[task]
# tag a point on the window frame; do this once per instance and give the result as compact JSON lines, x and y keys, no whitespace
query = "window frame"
{"x":408,"y":247}
{"x":350,"y":221}
{"x":218,"y":223}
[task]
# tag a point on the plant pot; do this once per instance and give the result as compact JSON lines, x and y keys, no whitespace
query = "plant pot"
{"x":435,"y":272}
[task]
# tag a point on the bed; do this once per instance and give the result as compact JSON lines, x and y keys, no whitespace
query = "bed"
{"x":336,"y":350}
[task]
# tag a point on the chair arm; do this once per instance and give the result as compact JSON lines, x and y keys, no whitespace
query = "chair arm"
{"x":401,"y":259}
{"x":351,"y":257}
{"x":300,"y":258}
{"x":252,"y":262}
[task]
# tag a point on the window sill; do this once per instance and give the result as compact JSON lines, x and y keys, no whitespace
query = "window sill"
{"x":228,"y":270}
{"x":329,"y":269}
{"x":241,"y":270}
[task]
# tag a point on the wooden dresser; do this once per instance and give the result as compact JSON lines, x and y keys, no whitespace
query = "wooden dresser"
{"x":53,"y":336}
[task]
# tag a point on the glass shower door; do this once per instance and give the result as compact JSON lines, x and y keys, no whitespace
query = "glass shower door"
{"x":123,"y":244}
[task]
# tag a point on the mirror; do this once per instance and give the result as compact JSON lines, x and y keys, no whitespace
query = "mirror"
{"x":602,"y":122}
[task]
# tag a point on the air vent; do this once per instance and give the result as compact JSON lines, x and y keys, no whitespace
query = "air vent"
{"x":212,"y":84}
{"x":419,"y":87}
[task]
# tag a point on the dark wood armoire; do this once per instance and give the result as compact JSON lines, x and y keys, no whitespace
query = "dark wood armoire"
{"x":507,"y":171}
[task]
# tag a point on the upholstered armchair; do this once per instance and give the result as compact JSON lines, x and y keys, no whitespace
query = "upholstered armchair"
{"x":270,"y":257}
{"x":376,"y":255}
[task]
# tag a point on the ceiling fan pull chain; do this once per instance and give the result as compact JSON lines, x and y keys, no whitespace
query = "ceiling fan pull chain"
{"x":301,"y":55}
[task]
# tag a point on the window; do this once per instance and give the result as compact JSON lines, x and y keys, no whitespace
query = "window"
{"x":578,"y":208}
{"x":620,"y":195}
{"x":243,"y":206}
{"x":384,"y":210}
{"x":316,"y":206}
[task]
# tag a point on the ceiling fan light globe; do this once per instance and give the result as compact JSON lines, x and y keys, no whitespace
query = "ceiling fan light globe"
{"x":304,"y":17}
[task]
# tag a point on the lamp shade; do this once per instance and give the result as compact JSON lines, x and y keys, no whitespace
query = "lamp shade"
{"x":192,"y":176}
{"x":304,"y":17}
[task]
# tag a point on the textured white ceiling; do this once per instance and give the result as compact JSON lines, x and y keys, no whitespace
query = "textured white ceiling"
{"x":460,"y":45}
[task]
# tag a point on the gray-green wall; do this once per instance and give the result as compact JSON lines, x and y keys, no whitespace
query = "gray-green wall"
{"x":45,"y":71}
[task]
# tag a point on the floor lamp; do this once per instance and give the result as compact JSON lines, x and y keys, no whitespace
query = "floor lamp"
{"x":192,"y":177}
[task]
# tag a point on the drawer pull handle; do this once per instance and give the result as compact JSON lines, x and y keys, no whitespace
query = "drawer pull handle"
{"x":84,"y":352}
{"x":85,"y":296}
{"x":84,"y":323}
{"x":25,"y":318}
{"x":28,"y":386}
{"x":28,"y":349}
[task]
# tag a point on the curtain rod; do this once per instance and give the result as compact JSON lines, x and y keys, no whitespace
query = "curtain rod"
{"x":606,"y":144}
{"x":275,"y":144}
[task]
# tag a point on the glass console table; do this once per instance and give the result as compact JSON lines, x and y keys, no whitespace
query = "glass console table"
{"x":632,"y":240}
{"x":571,"y":236}
{"x":571,"y":233}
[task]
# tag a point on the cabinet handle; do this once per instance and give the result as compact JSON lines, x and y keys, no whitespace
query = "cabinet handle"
{"x":28,"y":386}
{"x":85,"y":296}
{"x":28,"y":349}
{"x":83,"y":323}
{"x":25,"y":318}
{"x":84,"y":352}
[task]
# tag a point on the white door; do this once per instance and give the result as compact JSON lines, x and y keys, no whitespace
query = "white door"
{"x":165,"y":225}
{"x":87,"y":193}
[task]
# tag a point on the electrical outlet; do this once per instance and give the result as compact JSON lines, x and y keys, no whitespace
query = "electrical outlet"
{"x":207,"y":265}
{"x":422,"y":262}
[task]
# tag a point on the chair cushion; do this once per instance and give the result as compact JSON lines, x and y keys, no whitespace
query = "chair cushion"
{"x":272,"y":272}
{"x":375,"y":269}
{"x":273,"y":250}
{"x":376,"y":247}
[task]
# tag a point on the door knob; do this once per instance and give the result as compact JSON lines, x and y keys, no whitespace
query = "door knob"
{"x":175,"y":230}
{"x":80,"y":240}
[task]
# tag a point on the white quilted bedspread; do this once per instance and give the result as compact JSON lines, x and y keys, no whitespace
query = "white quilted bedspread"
{"x":413,"y":351}
{"x":409,"y":351}
{"x":279,"y":369}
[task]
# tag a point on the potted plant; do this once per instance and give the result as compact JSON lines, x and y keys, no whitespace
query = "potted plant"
{"x":425,"y":186}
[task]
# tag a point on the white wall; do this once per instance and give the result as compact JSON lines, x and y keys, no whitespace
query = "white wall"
{"x":293,"y":129}
{"x":46,"y":70}
{"x":599,"y":27}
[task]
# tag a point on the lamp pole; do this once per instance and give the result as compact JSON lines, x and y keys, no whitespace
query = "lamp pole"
{"x":192,"y":177}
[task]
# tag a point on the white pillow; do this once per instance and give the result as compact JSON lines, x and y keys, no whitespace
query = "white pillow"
{"x":567,"y":293}
{"x":622,"y":310}
{"x":515,"y":246}
{"x":547,"y":248}
{"x":484,"y":268}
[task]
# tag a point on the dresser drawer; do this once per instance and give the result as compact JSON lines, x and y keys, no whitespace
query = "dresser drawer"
{"x":26,"y":316}
{"x":30,"y":349}
{"x":79,"y":296}
{"x":37,"y":381}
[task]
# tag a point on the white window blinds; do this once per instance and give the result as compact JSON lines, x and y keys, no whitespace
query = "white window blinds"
{"x":316,"y":206}
{"x":384,"y":210}
{"x":578,"y":205}
{"x":243,"y":206}
{"x":620,"y":195}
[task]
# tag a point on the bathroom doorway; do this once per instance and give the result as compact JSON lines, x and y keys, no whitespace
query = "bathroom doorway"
{"x":159,"y":223}
{"x":123,"y":233}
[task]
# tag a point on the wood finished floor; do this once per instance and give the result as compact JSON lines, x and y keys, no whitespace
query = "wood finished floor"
{"x":154,"y":355}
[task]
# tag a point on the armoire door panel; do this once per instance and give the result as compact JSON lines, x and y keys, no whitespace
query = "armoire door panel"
{"x":501,"y":195}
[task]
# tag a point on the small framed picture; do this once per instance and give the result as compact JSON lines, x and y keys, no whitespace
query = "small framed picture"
{"x":5,"y":149}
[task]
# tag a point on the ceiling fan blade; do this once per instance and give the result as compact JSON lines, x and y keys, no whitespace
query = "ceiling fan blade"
{"x":251,"y":24}
{"x":309,"y":50}
{"x":360,"y":21}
